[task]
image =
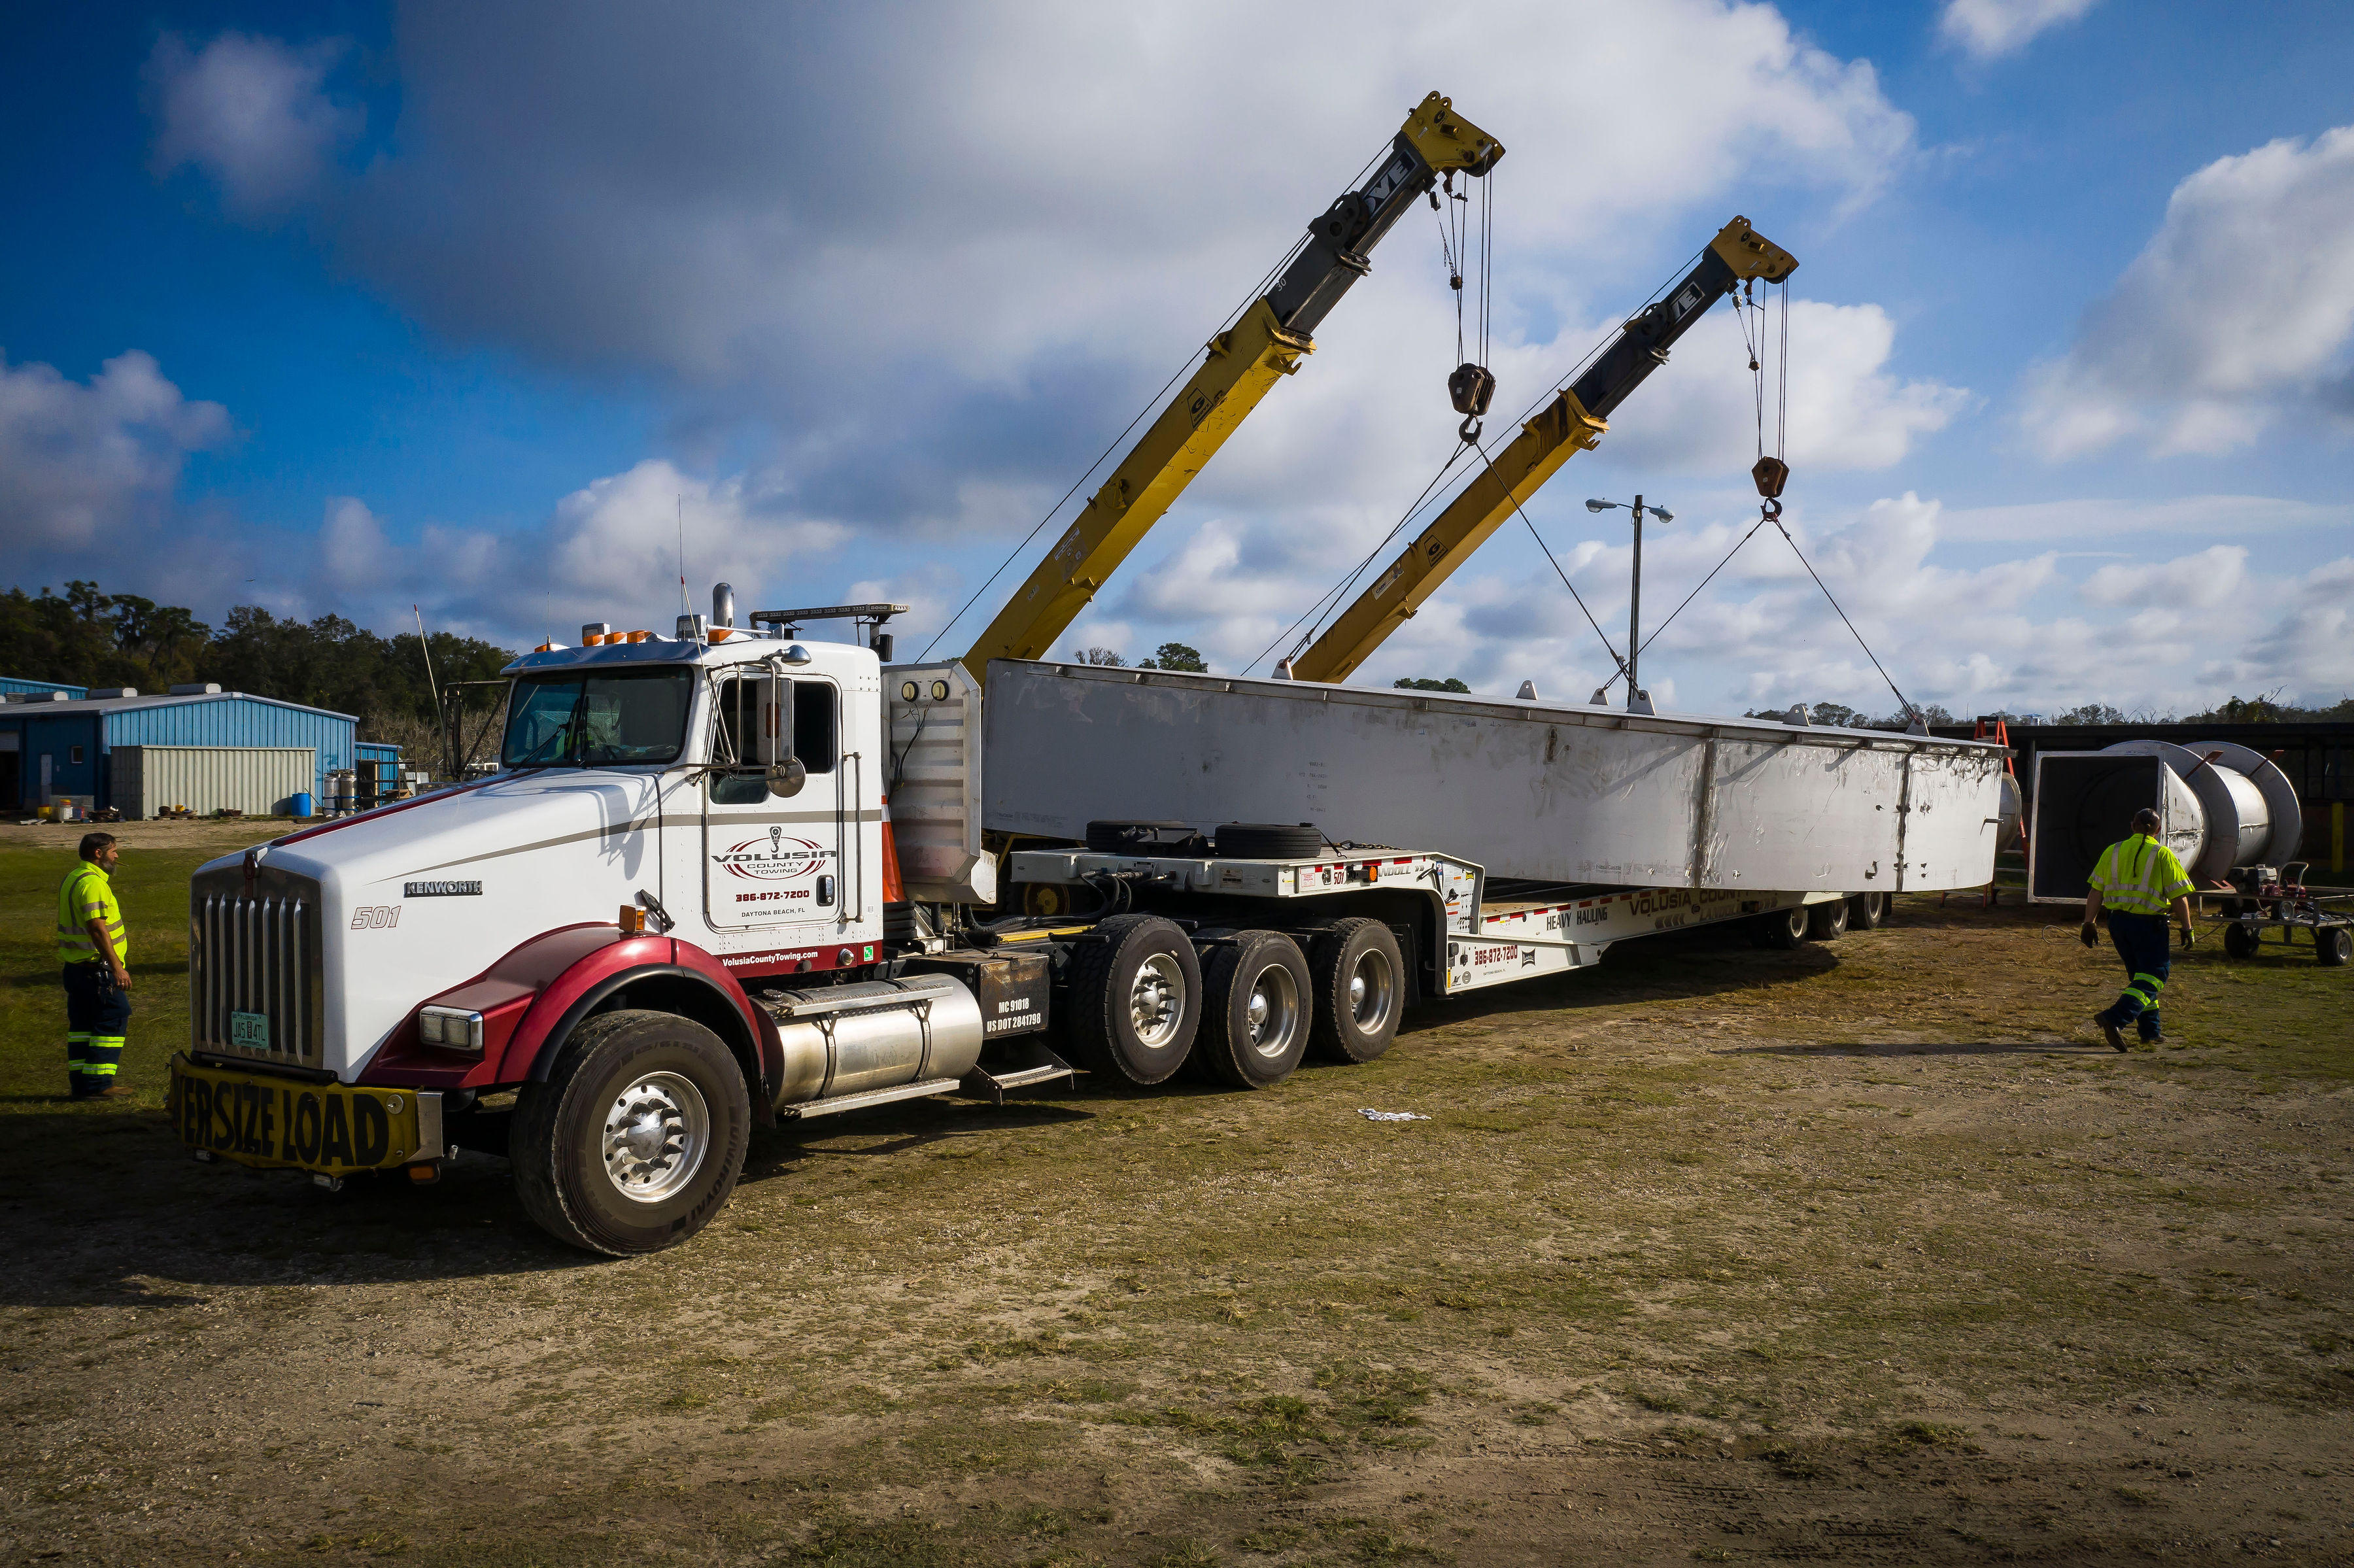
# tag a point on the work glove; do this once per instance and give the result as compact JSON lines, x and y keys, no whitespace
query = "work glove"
{"x":2189,"y":937}
{"x":2091,"y":934}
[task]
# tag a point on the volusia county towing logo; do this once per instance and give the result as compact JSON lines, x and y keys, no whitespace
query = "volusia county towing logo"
{"x":774,"y":858}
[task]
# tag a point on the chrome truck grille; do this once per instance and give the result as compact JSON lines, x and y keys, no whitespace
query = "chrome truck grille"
{"x":253,"y":954}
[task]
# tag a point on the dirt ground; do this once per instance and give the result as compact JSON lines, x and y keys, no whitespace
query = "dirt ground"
{"x":1864,"y":1253}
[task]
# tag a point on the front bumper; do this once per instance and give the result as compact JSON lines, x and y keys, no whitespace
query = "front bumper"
{"x":267,"y":1121}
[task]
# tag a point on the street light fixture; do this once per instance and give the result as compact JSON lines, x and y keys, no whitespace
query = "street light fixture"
{"x":1637,"y":700}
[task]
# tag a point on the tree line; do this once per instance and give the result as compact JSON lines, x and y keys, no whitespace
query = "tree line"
{"x":88,"y":638}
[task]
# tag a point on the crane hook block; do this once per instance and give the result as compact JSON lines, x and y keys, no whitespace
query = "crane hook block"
{"x":1472,"y":387}
{"x":1771,"y":474}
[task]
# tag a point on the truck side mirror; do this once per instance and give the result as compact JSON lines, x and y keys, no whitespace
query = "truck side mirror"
{"x":787,"y":776}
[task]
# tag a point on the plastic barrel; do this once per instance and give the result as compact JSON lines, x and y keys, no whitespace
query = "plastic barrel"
{"x":303,"y":803}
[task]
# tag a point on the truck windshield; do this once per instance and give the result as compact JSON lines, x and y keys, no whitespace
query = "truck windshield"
{"x":599,"y":718}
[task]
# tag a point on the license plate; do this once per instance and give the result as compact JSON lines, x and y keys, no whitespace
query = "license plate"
{"x":250,"y":1031}
{"x":256,"y":1118}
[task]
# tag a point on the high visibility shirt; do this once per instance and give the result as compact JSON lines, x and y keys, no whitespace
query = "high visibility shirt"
{"x":2139,"y":876}
{"x":87,"y":895}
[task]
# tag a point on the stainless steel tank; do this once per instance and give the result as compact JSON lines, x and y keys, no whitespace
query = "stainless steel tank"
{"x":877,"y":1034}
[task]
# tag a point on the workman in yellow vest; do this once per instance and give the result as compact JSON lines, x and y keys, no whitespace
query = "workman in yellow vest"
{"x":2135,"y":881}
{"x":96,"y":955}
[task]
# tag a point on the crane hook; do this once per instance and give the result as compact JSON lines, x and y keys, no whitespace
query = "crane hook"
{"x":1469,"y":430}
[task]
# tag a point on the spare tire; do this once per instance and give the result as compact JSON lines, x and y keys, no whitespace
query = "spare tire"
{"x":1145,"y":838}
{"x":1268,"y":841}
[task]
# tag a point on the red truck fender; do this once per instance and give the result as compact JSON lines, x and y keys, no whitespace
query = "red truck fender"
{"x":534,"y":996}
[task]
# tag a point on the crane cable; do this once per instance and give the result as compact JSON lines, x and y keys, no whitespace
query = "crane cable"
{"x":1773,"y":472}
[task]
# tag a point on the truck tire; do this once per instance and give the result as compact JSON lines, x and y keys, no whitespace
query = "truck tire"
{"x":1827,"y":922}
{"x":1358,"y":998}
{"x":1135,"y":998}
{"x":1867,"y":911}
{"x":1256,"y":1010}
{"x":636,"y":1139}
{"x":1783,"y":928}
{"x":1267,"y":841}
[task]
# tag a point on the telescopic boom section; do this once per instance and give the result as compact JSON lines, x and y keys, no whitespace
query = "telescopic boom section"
{"x":1573,"y":422}
{"x":1242,"y":364}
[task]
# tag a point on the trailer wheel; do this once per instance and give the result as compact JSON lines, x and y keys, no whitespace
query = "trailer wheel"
{"x":1867,"y":911}
{"x":1136,"y":997}
{"x":1827,"y":922}
{"x":2333,"y":944}
{"x":1358,"y":995}
{"x":1255,"y":1012}
{"x":636,"y":1139}
{"x":2239,"y":941}
{"x":1783,"y":928}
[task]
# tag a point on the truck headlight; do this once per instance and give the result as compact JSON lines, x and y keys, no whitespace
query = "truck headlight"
{"x":452,"y":1028}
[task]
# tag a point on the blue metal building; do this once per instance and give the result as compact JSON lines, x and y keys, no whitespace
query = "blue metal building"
{"x":52,"y":748}
{"x":18,"y":685}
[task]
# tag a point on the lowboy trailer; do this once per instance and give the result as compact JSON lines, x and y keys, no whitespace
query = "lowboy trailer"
{"x":677,"y":912}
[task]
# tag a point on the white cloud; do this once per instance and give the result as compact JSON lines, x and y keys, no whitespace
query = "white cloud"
{"x":252,"y":114}
{"x":90,"y":464}
{"x":352,"y":548}
{"x":2211,"y":579}
{"x":2240,"y":306}
{"x":1986,"y":30}
{"x":2103,"y":520}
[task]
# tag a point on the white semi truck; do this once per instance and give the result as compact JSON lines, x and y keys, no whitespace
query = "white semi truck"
{"x":680,"y":909}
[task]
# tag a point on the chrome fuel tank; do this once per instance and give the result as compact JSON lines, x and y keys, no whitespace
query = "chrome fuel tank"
{"x":878,"y":1035}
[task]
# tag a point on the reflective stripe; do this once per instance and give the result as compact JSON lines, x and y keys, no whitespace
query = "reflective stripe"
{"x":2140,"y":876}
{"x":2155,"y":983}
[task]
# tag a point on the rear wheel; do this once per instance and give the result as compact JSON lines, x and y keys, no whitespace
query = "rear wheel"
{"x":1867,"y":911}
{"x":1827,"y":922}
{"x":1254,"y":1013}
{"x":1358,"y":996}
{"x":1136,"y":997}
{"x":2333,"y":944}
{"x":636,"y":1139}
{"x":2239,"y":941}
{"x":1783,"y":928}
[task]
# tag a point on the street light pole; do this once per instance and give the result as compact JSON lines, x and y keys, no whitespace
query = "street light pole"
{"x":1635,"y":694}
{"x":1635,"y":608}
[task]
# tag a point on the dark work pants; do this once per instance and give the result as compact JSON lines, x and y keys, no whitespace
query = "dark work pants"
{"x":2142,"y":942}
{"x":98,"y":1017}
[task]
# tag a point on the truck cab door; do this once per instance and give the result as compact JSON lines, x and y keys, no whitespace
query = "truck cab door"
{"x":773,"y":864}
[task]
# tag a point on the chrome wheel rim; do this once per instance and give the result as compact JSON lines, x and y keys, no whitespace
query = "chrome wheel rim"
{"x":1156,"y":1001}
{"x":1373,"y":989}
{"x":657,"y":1136}
{"x":1273,"y":1011}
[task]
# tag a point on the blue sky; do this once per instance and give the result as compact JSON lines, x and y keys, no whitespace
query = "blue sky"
{"x":337,"y":307}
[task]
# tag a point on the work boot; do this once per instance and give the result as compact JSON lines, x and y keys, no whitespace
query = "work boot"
{"x":111,"y":1092}
{"x":2109,"y":1031}
{"x":2153,"y":1039}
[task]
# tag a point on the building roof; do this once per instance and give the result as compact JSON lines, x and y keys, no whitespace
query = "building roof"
{"x":34,"y":684}
{"x":127,"y":704}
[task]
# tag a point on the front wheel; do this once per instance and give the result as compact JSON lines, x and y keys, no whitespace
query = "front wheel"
{"x":636,"y":1139}
{"x":1255,"y":1019}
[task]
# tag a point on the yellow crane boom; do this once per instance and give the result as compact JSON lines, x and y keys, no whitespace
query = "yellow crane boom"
{"x":1572,"y":422}
{"x":1240,"y":365}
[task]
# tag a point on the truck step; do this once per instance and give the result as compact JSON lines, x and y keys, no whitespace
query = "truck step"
{"x":870,"y":1097}
{"x":1026,"y":1065}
